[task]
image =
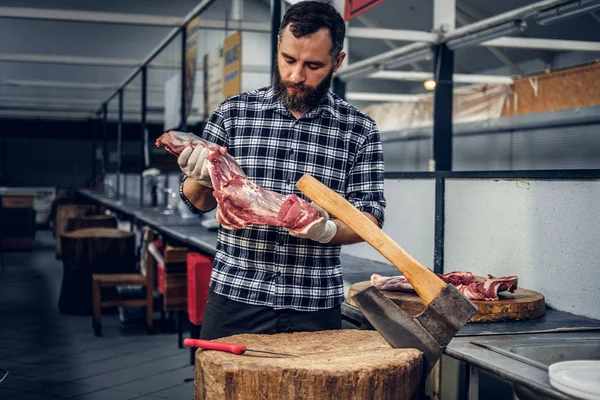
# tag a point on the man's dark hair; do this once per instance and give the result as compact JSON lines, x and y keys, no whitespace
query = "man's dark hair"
{"x":307,"y":17}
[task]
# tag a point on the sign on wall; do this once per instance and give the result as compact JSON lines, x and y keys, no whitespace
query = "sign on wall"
{"x":213,"y":78}
{"x":232,"y":68}
{"x":191,"y":51}
{"x":354,"y":8}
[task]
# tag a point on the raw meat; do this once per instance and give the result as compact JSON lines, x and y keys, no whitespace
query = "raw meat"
{"x":240,"y":201}
{"x":472,"y":286}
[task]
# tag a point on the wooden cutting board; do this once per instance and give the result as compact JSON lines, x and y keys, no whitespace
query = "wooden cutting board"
{"x":522,"y":304}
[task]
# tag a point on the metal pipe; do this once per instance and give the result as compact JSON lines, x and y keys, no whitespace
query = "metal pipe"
{"x":144,"y":144}
{"x":386,"y":57}
{"x":104,"y":139}
{"x":442,"y":109}
{"x":183,"y":124}
{"x":275,"y":24}
{"x":119,"y":143}
{"x":164,"y":43}
{"x":518,"y":13}
{"x":458,"y":78}
{"x":381,"y":59}
{"x":237,"y":10}
{"x":95,"y":129}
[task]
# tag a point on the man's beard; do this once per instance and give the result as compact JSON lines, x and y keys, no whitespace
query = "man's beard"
{"x":305,"y":97}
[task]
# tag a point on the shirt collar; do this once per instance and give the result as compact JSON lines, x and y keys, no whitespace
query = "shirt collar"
{"x":271,"y":102}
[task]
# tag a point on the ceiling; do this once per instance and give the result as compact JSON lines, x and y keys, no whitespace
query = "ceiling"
{"x":100,"y":55}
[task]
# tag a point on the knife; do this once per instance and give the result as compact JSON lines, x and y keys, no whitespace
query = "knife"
{"x":233,"y":348}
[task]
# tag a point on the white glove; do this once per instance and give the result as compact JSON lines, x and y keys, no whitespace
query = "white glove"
{"x":194,"y":164}
{"x":322,"y":231}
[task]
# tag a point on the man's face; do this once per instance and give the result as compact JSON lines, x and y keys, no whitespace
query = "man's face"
{"x":304,"y":69}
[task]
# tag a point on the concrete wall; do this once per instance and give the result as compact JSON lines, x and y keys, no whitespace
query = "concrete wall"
{"x":544,"y":232}
{"x":409,"y":221}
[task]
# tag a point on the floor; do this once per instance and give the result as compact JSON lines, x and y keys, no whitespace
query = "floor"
{"x":50,"y":355}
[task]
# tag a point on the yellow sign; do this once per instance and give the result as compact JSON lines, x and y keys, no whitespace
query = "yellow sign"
{"x":191,"y":51}
{"x":232,"y":65}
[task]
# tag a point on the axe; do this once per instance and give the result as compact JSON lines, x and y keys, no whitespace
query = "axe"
{"x":447,"y":310}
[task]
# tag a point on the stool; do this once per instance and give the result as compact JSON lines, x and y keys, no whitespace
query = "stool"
{"x":144,"y":279}
{"x":199,"y":268}
{"x":63,"y":210}
{"x":92,"y":251}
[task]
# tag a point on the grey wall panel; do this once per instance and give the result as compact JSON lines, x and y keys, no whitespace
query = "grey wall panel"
{"x":570,"y":147}
{"x":575,"y":147}
{"x":477,"y":153}
{"x":409,"y":220}
{"x":407,"y":156}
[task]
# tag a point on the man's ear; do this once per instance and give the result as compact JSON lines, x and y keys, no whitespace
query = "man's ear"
{"x":339,"y":60}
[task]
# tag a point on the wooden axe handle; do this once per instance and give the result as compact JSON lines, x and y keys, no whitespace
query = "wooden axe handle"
{"x":427,"y":285}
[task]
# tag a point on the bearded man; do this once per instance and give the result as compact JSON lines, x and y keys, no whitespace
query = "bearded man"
{"x":266,"y":279}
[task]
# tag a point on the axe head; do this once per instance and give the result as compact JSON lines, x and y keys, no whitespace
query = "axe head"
{"x":429,"y":332}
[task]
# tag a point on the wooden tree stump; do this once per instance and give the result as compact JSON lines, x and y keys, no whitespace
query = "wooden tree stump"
{"x":91,"y":221}
{"x":92,"y":251}
{"x":330,"y":365}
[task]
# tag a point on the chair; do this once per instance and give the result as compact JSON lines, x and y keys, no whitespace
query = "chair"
{"x":90,"y":251}
{"x":145,"y":278}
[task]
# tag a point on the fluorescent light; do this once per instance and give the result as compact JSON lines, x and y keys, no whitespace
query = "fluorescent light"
{"x":410,"y":58}
{"x":566,"y":11}
{"x":487,"y":34}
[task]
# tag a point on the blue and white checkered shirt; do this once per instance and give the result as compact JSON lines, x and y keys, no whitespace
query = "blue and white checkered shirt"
{"x":335,"y":143}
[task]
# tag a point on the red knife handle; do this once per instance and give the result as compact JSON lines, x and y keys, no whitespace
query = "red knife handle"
{"x":211,"y":345}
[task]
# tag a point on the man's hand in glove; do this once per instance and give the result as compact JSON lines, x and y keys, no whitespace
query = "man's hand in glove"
{"x":194,"y":164}
{"x":322,"y":231}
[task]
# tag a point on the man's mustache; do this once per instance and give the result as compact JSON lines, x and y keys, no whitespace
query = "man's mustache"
{"x":292,"y":85}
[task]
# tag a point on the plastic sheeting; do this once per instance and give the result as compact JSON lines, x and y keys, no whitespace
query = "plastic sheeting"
{"x":471,"y":103}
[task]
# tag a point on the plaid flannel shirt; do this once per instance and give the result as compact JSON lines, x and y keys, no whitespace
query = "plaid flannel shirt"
{"x":335,"y":143}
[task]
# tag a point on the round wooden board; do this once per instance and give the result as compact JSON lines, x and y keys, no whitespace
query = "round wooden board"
{"x":522,"y":304}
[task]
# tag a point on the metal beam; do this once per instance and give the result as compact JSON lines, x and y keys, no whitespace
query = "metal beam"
{"x":544,"y":44}
{"x":68,"y":114}
{"x":499,"y":54}
{"x":76,"y":101}
{"x":49,"y":14}
{"x":444,"y":20}
{"x":391,"y":34}
{"x":164,"y":43}
{"x":385,"y":97}
{"x":370,"y":23}
{"x":457,"y":78}
{"x":276,"y":15}
{"x":24,"y":83}
{"x":518,"y":13}
{"x":81,"y":60}
{"x":378,"y":61}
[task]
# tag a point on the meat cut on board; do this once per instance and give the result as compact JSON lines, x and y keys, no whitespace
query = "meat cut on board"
{"x":472,"y":286}
{"x":240,"y":202}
